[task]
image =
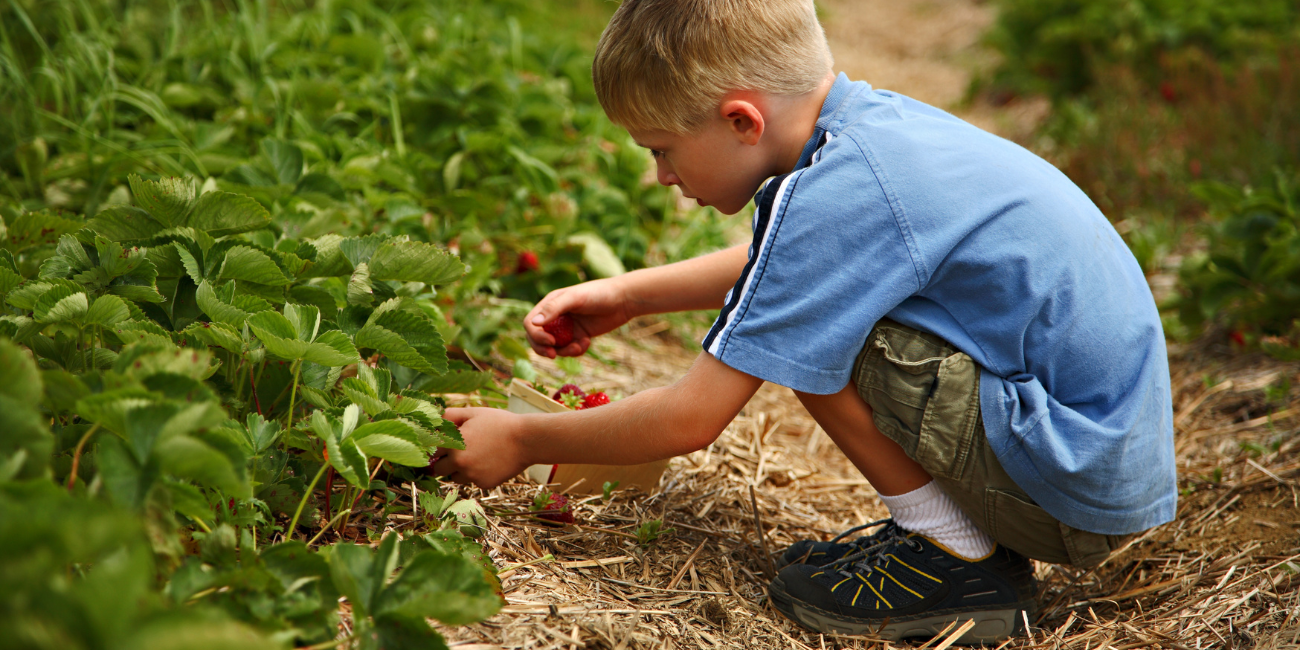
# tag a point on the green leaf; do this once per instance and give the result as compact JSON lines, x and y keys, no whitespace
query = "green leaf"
{"x":33,"y":229}
{"x":359,"y":250}
{"x":222,"y":213}
{"x":393,"y":440}
{"x":273,"y":325}
{"x":285,"y":158}
{"x":436,"y":585}
{"x":191,"y":264}
{"x":598,"y":255}
{"x":346,"y":458}
{"x":22,"y":428}
{"x":317,"y":183}
{"x":217,"y":309}
{"x":60,"y":304}
{"x":361,"y":395}
{"x":360,"y":291}
{"x":106,"y":311}
{"x":124,"y":223}
{"x":407,"y":338}
{"x":195,"y":631}
{"x":167,"y":200}
{"x":280,"y":336}
{"x":333,"y":349}
{"x":412,"y":632}
{"x":330,"y":261}
{"x":457,"y":381}
{"x":217,"y":334}
{"x":415,"y":262}
{"x":305,"y":320}
{"x":352,"y":568}
{"x":252,"y":265}
{"x":261,"y":433}
{"x":188,"y":458}
{"x":143,"y":360}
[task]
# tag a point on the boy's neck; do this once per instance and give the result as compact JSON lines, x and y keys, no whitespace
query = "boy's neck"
{"x":793,"y":121}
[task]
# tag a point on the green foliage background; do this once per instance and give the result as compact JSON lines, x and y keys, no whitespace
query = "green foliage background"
{"x":238,"y":240}
{"x":1181,"y":119}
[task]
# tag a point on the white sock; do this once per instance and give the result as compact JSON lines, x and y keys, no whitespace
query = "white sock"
{"x":928,"y":510}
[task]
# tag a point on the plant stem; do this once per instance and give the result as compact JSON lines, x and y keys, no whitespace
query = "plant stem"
{"x":256,"y":401}
{"x":297,"y":370}
{"x":328,"y":644}
{"x":76,"y":455}
{"x":293,"y":523}
{"x":329,"y":490}
{"x":361,"y":492}
{"x":328,"y":525}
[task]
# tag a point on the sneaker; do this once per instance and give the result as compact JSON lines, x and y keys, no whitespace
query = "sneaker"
{"x":908,"y":586}
{"x":807,"y":551}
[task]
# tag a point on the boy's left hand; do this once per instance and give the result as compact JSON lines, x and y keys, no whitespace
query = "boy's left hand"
{"x":491,"y":455}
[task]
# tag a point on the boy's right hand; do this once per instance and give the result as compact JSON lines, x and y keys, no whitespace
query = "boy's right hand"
{"x":596,"y":307}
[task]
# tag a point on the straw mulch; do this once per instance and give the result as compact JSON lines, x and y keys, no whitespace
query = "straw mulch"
{"x":1223,"y":575}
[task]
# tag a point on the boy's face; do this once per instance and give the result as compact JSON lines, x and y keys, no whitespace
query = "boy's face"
{"x":713,"y":165}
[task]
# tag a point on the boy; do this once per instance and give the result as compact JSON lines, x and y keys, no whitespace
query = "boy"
{"x":958,"y":316}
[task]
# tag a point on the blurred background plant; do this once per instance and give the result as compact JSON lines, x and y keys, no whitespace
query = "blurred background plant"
{"x":445,"y":121}
{"x":1159,"y":108}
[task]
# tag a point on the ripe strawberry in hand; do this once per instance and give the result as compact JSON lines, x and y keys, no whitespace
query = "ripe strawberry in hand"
{"x":595,"y":399}
{"x":562,"y":329}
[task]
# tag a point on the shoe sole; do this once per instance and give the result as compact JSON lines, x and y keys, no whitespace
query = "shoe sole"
{"x":991,"y":626}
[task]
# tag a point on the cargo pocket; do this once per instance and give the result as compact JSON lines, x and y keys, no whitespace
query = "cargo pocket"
{"x":896,"y":378}
{"x":1022,"y":526}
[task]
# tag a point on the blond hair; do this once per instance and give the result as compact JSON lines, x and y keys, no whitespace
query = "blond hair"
{"x":666,"y":64}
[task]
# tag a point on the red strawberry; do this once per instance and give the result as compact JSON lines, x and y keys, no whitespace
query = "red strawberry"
{"x":527,"y":262}
{"x":556,"y":509}
{"x":595,"y":399}
{"x":562,"y":329}
{"x":570,"y":396}
{"x":1238,"y":338}
{"x":569,"y":389}
{"x":1167,"y":91}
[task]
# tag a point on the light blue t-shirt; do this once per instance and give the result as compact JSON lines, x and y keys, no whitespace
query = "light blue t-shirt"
{"x":899,"y":209}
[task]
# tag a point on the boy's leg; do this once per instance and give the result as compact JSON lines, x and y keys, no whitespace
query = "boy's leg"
{"x":915,"y":502}
{"x":924,"y":395}
{"x":919,"y":410}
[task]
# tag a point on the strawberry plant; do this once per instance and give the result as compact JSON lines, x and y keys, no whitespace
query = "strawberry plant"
{"x":1249,"y":279}
{"x":244,"y":253}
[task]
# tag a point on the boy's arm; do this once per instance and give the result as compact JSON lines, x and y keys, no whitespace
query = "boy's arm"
{"x":650,"y":425}
{"x":600,"y":306}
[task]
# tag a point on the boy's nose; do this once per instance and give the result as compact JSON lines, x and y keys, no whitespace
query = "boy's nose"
{"x":667,"y":176}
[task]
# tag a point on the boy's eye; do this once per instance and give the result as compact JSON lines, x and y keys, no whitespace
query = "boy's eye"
{"x":654,"y":153}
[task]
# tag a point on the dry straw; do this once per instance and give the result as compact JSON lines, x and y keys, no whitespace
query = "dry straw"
{"x":1222,"y":576}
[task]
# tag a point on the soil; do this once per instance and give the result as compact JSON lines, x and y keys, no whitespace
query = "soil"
{"x":929,"y":50}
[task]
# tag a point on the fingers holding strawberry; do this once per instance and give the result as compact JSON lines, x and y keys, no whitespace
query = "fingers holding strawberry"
{"x":565,"y":321}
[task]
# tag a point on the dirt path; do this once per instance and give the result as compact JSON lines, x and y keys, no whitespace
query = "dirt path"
{"x":927,"y":50}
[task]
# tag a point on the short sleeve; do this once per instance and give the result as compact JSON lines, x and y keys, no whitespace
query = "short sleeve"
{"x":829,"y":258}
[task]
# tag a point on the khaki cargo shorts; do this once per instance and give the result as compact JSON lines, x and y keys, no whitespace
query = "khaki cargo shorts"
{"x":925,"y":395}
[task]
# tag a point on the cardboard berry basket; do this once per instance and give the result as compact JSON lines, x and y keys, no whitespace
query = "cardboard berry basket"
{"x":578,"y":479}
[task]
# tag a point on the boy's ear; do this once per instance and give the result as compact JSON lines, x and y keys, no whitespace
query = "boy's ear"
{"x":744,"y":119}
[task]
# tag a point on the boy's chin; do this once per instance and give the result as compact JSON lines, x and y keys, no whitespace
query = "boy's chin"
{"x":725,"y":208}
